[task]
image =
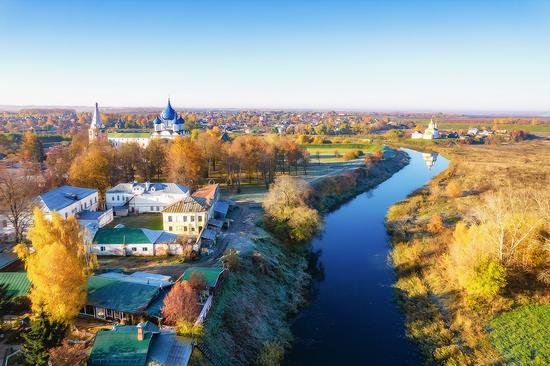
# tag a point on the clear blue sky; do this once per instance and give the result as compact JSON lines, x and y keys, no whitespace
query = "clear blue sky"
{"x":369,"y":55}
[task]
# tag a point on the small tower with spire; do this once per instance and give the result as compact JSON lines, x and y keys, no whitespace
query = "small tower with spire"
{"x":96,"y":132}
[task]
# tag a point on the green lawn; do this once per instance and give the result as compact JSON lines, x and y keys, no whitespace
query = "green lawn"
{"x":522,"y":336}
{"x":327,"y":152}
{"x":148,"y":221}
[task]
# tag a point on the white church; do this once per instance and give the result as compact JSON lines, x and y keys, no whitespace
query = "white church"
{"x":432,"y":132}
{"x":167,"y":125}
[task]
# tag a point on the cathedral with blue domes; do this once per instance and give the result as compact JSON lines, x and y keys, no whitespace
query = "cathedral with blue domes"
{"x":167,"y":125}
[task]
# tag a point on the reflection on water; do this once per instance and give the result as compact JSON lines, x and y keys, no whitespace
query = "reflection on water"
{"x":430,"y":159}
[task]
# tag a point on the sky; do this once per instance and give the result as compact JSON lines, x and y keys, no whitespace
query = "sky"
{"x":385,"y":55}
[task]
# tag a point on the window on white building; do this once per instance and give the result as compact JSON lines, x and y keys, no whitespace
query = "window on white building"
{"x":184,"y":218}
{"x":192,"y":218}
{"x":158,"y":208}
{"x":185,"y":228}
{"x":134,"y":249}
{"x":192,"y":228}
{"x":102,"y":249}
{"x":200,"y":218}
{"x":169,"y":218}
{"x":152,"y":208}
{"x":144,"y":249}
{"x":169,"y":228}
{"x":113,"y":198}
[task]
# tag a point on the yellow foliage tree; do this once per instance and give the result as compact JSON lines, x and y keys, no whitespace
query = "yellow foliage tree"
{"x":58,"y":266}
{"x":185,"y":162}
{"x":94,"y":168}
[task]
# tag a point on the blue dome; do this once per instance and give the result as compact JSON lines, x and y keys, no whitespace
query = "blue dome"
{"x":157,"y":121}
{"x":168,"y":112}
{"x":179,"y":121}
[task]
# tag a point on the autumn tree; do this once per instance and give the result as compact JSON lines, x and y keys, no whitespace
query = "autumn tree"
{"x":181,"y":303}
{"x":287,"y":211}
{"x":58,"y":266}
{"x":17,"y":192}
{"x":185,"y":163}
{"x":198,"y":281}
{"x":155,"y":160}
{"x":58,"y":163}
{"x":129,"y":159}
{"x":94,"y":168}
{"x":474,"y":264}
{"x":31,"y":148}
{"x":436,"y":224}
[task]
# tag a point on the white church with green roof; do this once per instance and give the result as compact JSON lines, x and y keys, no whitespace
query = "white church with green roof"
{"x":167,"y":125}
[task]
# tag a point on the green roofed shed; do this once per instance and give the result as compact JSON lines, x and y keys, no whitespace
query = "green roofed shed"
{"x":121,"y":236}
{"x":120,"y":295}
{"x":212,"y":274}
{"x":120,"y":347}
{"x":17,"y":283}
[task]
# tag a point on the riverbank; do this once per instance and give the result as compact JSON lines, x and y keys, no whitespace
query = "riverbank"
{"x":332,"y":191}
{"x":451,"y":326}
{"x":249,"y":323}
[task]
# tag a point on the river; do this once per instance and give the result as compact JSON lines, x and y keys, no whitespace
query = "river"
{"x":352,"y":318}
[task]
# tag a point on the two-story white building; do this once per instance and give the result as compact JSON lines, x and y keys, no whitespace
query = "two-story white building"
{"x":74,"y":201}
{"x":144,"y":197}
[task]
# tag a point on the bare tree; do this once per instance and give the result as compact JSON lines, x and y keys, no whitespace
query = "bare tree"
{"x":17,"y":191}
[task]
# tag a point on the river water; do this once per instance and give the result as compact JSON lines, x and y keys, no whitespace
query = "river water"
{"x":352,"y":318}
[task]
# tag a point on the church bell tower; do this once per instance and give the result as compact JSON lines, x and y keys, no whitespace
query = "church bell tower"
{"x":96,"y":132}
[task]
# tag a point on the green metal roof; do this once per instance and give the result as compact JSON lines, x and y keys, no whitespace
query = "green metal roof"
{"x":129,"y":135}
{"x":119,"y":295}
{"x":212,"y":274}
{"x":126,"y":235}
{"x":105,"y":292}
{"x":18,"y":283}
{"x":120,"y":347}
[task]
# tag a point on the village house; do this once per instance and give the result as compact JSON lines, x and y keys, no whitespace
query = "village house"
{"x":75,"y":201}
{"x":190,"y":216}
{"x":145,"y":197}
{"x":123,"y":241}
{"x":139,"y":345}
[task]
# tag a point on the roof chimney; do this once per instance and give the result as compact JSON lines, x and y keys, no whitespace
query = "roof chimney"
{"x":139,"y":331}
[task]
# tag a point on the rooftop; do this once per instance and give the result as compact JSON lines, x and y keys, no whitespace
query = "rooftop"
{"x":61,"y":197}
{"x":120,"y":346}
{"x":17,"y":283}
{"x":208,"y":192}
{"x":152,"y":188}
{"x":188,"y":204}
{"x":130,"y":235}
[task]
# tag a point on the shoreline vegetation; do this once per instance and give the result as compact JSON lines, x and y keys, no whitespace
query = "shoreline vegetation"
{"x":471,"y":256}
{"x":268,"y":279}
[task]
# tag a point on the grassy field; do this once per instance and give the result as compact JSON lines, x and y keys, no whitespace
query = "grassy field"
{"x":448,"y":327}
{"x":523,"y":335}
{"x":329,"y":152}
{"x":148,"y":221}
